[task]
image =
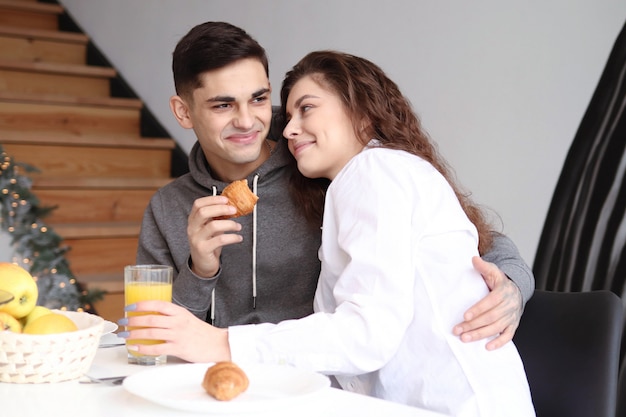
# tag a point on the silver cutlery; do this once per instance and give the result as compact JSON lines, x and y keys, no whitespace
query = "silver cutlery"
{"x":110,"y":345}
{"x":112,"y":380}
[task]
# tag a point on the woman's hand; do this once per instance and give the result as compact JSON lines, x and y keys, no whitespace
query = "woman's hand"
{"x":185,"y":336}
{"x":498,"y":314}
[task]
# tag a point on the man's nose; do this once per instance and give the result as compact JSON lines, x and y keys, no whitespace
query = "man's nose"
{"x":244,"y":119}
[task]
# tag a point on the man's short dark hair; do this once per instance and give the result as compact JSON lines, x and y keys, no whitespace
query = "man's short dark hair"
{"x":210,"y":46}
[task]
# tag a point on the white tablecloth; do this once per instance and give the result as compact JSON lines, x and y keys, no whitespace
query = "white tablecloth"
{"x":73,"y":399}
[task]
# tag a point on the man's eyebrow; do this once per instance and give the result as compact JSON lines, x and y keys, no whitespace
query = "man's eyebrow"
{"x":220,"y":99}
{"x":260,"y":92}
{"x":231,"y":99}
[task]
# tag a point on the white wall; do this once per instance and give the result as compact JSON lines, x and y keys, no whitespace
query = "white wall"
{"x":500,"y":85}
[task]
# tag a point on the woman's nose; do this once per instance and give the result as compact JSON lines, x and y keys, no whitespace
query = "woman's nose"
{"x":291,"y":130}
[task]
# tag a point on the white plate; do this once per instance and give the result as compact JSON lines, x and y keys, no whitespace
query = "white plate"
{"x":179,"y":387}
{"x":109,"y":327}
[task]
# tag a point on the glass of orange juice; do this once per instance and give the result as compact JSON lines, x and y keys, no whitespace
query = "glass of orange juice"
{"x":142,"y":283}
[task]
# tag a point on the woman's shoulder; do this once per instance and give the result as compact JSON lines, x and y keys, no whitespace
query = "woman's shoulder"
{"x":380,"y":160}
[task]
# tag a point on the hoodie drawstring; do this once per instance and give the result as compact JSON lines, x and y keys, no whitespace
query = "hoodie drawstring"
{"x":255,"y":180}
{"x":213,"y":292}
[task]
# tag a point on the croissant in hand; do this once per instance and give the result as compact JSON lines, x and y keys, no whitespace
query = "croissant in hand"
{"x":225,"y":380}
{"x":240,"y":196}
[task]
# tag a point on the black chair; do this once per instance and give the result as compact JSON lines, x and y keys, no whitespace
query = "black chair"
{"x":621,"y":392}
{"x":570,"y":345}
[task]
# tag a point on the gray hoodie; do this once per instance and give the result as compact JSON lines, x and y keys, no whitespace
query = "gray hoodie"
{"x":285,"y":253}
{"x":272,"y":275}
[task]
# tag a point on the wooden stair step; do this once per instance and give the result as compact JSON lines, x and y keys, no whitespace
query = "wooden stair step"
{"x":57,"y":68}
{"x":91,"y":255}
{"x":74,"y":205}
{"x":67,"y":161}
{"x":34,"y":6}
{"x":111,"y":282}
{"x":125,"y":183}
{"x":93,"y":140}
{"x":55,"y":79}
{"x":113,"y":102}
{"x":97,"y":230}
{"x":42,"y":34}
{"x":34,"y":45}
{"x":99,"y":247}
{"x":30,"y":14}
{"x":45,"y":118}
{"x":111,"y":307}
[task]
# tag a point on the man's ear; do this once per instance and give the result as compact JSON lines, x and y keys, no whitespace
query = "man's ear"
{"x":180,"y":109}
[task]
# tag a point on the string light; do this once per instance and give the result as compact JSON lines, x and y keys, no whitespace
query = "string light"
{"x":19,"y":216}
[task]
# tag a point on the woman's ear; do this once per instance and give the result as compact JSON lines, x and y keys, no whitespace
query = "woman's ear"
{"x":180,"y":109}
{"x":365,"y":129}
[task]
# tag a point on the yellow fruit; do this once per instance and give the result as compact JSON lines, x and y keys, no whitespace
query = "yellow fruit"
{"x":8,"y":322}
{"x":50,"y":324}
{"x":37,"y":312}
{"x":21,"y":284}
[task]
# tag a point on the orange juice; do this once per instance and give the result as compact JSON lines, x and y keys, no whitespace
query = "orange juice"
{"x":142,"y":291}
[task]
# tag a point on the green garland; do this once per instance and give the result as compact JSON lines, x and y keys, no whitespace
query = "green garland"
{"x":37,"y":247}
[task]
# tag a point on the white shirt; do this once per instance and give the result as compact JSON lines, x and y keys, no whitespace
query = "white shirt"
{"x":396,"y":277}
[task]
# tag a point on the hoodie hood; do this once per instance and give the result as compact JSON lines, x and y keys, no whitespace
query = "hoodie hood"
{"x":201,"y":173}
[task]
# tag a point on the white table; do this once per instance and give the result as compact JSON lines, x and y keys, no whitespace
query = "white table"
{"x":73,"y":399}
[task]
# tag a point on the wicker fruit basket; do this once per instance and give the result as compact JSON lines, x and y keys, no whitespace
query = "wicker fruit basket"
{"x":29,"y":359}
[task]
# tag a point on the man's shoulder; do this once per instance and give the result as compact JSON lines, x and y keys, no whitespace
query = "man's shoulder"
{"x":185,"y":184}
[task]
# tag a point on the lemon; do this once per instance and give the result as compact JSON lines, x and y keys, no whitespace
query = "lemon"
{"x":50,"y":324}
{"x":35,"y":313}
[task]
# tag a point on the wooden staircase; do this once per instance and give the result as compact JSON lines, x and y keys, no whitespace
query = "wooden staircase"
{"x":58,"y":114}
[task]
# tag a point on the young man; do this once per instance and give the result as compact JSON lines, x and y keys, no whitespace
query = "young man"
{"x":262,"y":267}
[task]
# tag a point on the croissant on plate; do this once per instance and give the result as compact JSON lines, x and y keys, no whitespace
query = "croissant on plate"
{"x":240,"y":196}
{"x":225,"y":380}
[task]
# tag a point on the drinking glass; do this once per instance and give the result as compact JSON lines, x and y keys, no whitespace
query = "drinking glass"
{"x":142,"y":283}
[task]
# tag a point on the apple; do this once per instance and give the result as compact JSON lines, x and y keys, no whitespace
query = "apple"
{"x":36,"y":312}
{"x":8,"y":322}
{"x":21,"y":284}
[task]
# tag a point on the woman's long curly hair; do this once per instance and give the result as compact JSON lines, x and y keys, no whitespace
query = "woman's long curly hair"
{"x":368,"y":94}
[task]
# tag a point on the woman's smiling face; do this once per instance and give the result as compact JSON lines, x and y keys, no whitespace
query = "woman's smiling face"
{"x":320,"y":132}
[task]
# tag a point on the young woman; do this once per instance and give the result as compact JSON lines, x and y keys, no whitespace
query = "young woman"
{"x":397,"y":240}
{"x":398,"y":237}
